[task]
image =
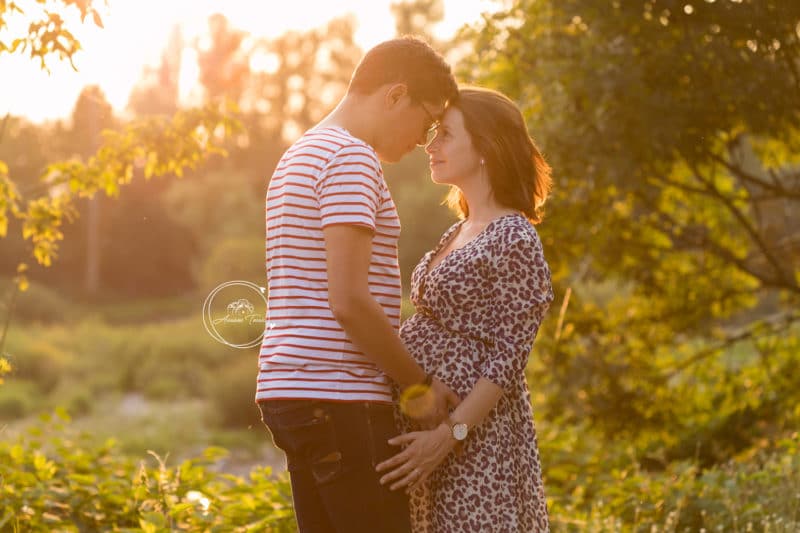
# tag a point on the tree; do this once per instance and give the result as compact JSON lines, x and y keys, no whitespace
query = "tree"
{"x":415,"y":17}
{"x":157,"y":91}
{"x":92,"y":115}
{"x":672,"y":129}
{"x":307,"y":74}
{"x":47,"y":34}
{"x":224,"y":65}
{"x":159,"y":146}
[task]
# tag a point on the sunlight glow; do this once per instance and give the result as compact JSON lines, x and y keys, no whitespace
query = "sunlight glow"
{"x":136,"y":33}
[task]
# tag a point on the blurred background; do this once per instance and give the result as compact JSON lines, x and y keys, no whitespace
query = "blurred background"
{"x":665,"y":379}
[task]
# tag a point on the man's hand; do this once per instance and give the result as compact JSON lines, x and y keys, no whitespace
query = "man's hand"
{"x":428,"y":405}
{"x":445,"y":399}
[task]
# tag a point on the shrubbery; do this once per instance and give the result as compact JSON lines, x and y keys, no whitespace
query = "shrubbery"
{"x":232,"y":393}
{"x":55,"y":480}
{"x":596,"y":480}
{"x":757,"y":492}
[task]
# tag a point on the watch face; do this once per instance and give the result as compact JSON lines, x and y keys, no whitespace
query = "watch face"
{"x":460,"y":431}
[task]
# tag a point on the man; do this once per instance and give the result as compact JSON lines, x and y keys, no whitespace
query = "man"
{"x":331,"y":345}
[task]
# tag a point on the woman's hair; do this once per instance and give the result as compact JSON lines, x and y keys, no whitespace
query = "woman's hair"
{"x":518,"y":174}
{"x":406,"y":60}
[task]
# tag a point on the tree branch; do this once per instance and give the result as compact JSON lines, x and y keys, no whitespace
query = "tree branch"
{"x":745,"y":223}
{"x":778,"y":326}
{"x":775,"y":186}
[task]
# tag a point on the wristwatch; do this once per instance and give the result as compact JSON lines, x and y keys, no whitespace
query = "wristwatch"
{"x":459,"y":430}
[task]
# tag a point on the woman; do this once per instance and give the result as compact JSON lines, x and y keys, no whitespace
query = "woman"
{"x":480,"y":296}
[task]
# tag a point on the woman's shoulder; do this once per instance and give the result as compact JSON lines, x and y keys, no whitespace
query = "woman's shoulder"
{"x":514,"y":231}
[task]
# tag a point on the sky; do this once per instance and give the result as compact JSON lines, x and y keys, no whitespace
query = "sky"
{"x":136,"y":31}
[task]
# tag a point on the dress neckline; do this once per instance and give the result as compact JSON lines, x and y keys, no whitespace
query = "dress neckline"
{"x":451,"y":234}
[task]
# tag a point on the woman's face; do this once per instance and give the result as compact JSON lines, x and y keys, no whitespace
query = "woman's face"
{"x":453,"y":159}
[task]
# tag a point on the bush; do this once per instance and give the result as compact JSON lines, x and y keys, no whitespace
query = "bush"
{"x":37,"y":359}
{"x":758,"y":492}
{"x":170,"y":359}
{"x":232,"y":392}
{"x":37,"y":304}
{"x":66,"y":483}
{"x":174,"y":359}
{"x":233,"y":259}
{"x":17,"y":399}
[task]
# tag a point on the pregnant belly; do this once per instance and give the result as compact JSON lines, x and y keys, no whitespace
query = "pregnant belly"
{"x":456,"y":359}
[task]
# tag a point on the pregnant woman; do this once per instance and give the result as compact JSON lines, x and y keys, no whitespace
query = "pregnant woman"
{"x":480,"y":296}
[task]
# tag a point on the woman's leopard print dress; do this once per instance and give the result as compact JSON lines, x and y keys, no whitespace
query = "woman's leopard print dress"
{"x":477,"y":314}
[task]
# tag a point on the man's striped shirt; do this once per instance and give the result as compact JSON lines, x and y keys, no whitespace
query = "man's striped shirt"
{"x":327,"y":177}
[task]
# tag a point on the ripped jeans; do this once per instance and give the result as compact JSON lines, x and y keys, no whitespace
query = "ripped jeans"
{"x":331,"y":452}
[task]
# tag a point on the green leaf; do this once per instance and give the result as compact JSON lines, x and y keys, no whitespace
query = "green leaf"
{"x":152,"y":522}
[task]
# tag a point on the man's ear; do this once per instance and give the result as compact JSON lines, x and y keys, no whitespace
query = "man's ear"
{"x":395,"y":94}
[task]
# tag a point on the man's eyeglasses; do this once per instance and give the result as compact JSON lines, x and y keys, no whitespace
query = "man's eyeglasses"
{"x":430,"y":129}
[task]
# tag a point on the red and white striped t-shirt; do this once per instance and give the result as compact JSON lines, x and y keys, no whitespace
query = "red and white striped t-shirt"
{"x":327,"y":177}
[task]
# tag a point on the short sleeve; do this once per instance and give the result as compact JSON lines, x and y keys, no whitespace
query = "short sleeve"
{"x":349,"y":188}
{"x":521,"y":295}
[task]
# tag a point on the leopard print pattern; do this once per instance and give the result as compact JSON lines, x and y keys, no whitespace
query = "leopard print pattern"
{"x":477,"y":314}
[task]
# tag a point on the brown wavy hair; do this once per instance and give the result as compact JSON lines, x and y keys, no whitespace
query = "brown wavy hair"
{"x":518,"y":174}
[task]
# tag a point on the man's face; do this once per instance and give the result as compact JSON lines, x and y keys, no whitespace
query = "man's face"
{"x":410,"y":124}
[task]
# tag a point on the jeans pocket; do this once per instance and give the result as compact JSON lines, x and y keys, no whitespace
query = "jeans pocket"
{"x":306,"y":432}
{"x":382,"y":426}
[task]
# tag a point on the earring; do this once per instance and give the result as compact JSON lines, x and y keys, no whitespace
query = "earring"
{"x":482,"y":162}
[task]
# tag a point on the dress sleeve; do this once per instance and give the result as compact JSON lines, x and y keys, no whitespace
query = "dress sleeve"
{"x":349,"y":188}
{"x":521,"y":294}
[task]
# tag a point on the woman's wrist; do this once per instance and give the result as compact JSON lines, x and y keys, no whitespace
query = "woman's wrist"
{"x":446,"y":434}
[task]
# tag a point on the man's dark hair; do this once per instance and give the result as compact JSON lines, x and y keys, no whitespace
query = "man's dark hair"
{"x":406,"y":60}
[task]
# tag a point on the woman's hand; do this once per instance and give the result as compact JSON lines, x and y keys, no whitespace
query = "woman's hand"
{"x":424,"y":451}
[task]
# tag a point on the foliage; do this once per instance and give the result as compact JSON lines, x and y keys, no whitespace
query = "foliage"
{"x":38,"y":302}
{"x":675,"y":190}
{"x":57,"y":480}
{"x":174,"y":359}
{"x":5,"y":368}
{"x":54,"y":477}
{"x":664,"y":380}
{"x":157,"y":92}
{"x":47,"y":34}
{"x":416,"y":17}
{"x":218,"y":206}
{"x":157,"y":145}
{"x":611,"y":492}
{"x":154,"y":147}
{"x":233,"y":391}
{"x":18,"y":399}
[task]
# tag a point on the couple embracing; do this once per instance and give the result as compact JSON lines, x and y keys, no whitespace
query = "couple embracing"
{"x":425,"y":427}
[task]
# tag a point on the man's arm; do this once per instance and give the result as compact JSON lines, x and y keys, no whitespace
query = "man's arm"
{"x":348,"y":252}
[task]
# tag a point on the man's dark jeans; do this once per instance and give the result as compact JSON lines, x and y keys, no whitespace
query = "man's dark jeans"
{"x":331,"y":452}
